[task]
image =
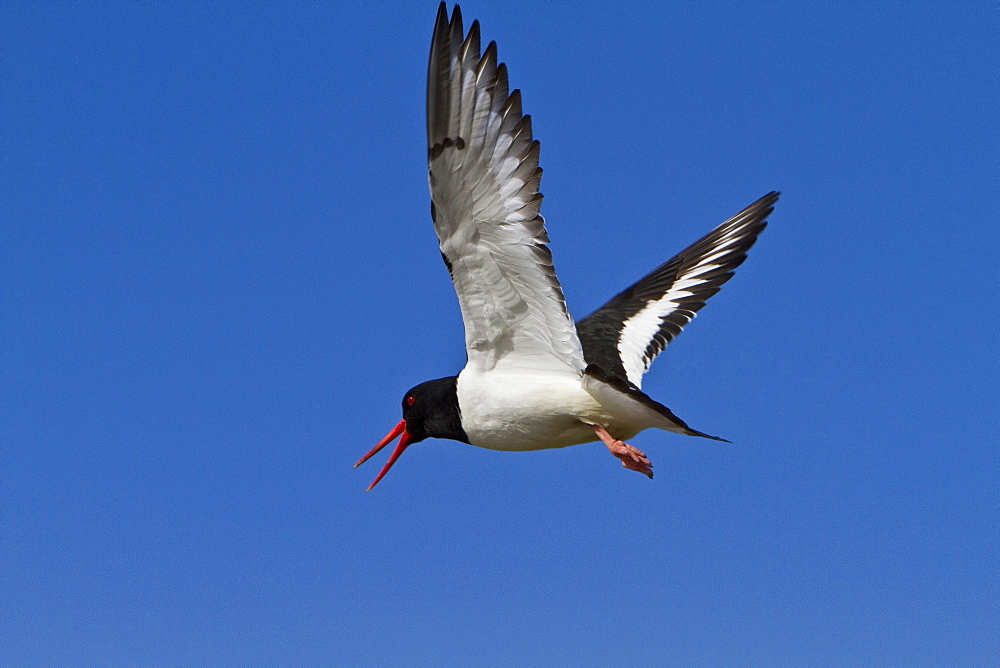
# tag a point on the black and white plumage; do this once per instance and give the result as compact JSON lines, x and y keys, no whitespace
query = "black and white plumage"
{"x":625,"y":335}
{"x":535,"y":379}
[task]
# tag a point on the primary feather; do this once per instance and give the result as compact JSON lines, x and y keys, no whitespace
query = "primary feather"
{"x":484,"y":178}
{"x":625,"y":335}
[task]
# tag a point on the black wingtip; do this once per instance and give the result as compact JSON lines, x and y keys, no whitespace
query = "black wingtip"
{"x":769,"y":199}
{"x":491,"y":50}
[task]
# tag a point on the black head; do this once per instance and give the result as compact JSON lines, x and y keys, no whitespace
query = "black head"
{"x":429,"y":410}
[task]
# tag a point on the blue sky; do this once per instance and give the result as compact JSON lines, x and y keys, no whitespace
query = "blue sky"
{"x":219,"y":276}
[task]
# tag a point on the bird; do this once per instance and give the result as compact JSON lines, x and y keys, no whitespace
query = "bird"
{"x":535,"y":378}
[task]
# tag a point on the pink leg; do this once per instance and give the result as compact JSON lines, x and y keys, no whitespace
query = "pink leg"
{"x":632,"y":457}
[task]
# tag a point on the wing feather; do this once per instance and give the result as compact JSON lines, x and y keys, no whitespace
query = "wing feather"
{"x":625,"y":335}
{"x":484,"y":179}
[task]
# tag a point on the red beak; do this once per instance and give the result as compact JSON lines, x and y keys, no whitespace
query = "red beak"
{"x":404,"y":443}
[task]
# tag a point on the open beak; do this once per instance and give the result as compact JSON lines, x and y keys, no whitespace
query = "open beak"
{"x":404,"y":443}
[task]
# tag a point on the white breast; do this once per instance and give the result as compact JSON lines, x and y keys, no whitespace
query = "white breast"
{"x":505,"y":410}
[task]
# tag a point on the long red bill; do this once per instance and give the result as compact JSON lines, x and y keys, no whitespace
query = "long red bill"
{"x":404,"y":443}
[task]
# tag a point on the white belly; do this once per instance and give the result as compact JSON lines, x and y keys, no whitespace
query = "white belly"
{"x":502,"y":410}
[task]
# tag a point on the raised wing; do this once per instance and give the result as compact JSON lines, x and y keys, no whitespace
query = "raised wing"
{"x":484,"y":178}
{"x":624,"y":336}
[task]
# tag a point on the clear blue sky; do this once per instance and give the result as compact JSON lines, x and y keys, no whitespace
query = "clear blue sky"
{"x":218,"y":276}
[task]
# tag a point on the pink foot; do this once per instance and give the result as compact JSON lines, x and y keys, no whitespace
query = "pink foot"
{"x":632,"y":458}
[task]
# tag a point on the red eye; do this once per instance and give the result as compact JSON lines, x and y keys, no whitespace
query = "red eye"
{"x":411,"y":400}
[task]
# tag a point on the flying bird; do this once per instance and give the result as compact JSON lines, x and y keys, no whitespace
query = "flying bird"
{"x":536,"y":379}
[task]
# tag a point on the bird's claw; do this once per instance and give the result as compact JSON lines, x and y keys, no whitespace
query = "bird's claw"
{"x":632,"y":457}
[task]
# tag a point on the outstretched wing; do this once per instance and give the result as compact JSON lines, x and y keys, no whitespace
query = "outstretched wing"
{"x":484,"y":178}
{"x":624,"y":336}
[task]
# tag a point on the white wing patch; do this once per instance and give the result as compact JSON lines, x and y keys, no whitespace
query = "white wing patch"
{"x":685,"y":282}
{"x":639,"y":330}
{"x":635,"y":337}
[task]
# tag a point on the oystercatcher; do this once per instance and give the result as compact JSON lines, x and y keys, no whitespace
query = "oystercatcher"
{"x":535,"y":379}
